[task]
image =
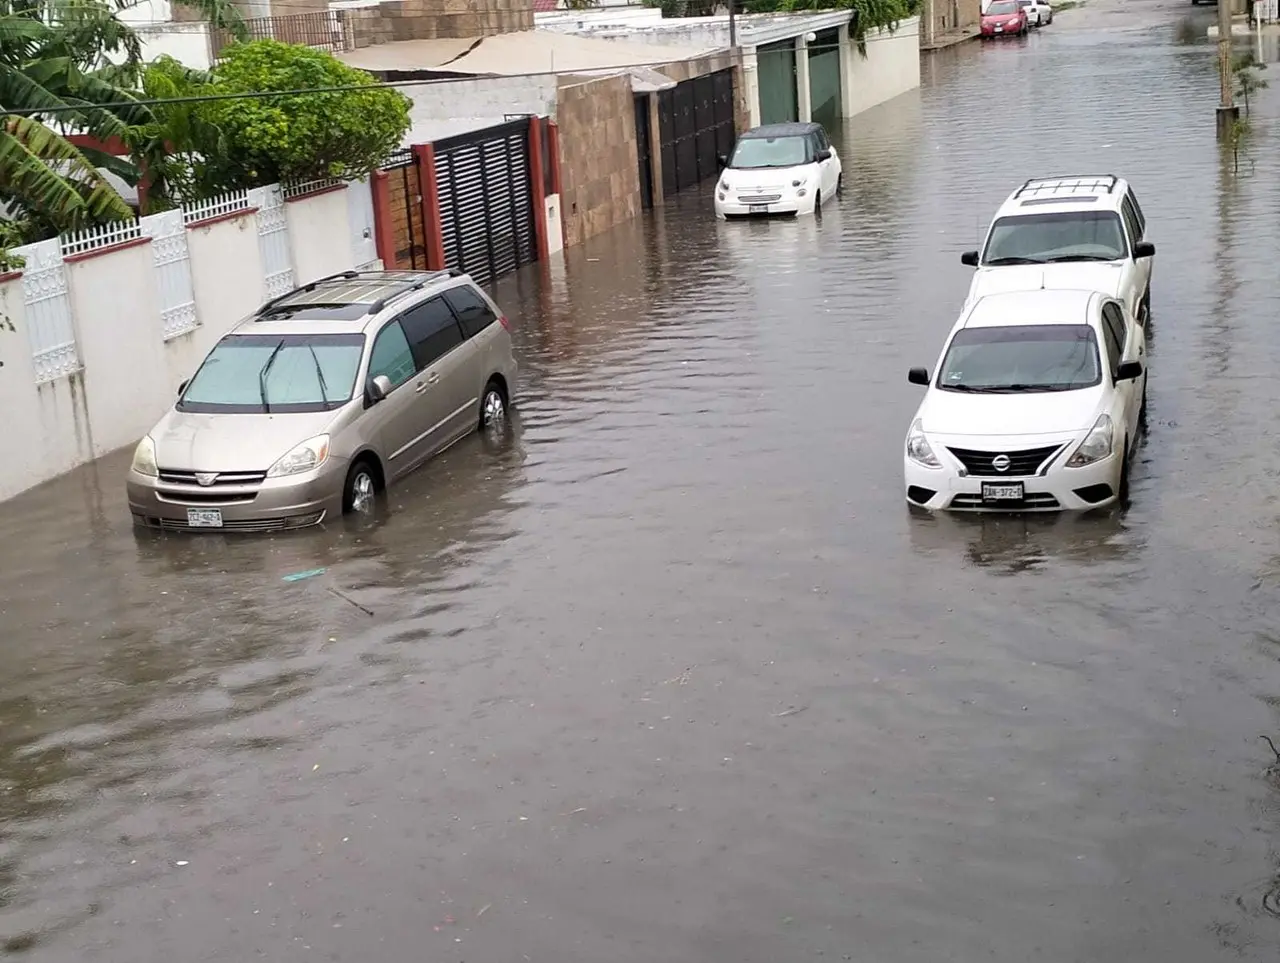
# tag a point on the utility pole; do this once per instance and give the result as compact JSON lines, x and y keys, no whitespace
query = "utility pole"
{"x":1228,"y":112}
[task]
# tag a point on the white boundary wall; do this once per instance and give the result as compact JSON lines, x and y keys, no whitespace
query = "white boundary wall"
{"x":107,"y":323}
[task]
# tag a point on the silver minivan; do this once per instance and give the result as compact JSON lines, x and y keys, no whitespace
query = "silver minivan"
{"x":323,"y":397}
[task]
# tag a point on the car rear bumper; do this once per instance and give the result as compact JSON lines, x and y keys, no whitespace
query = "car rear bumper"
{"x":1060,"y":489}
{"x":272,"y":505}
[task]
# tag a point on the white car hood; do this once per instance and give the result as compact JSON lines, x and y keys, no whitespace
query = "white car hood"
{"x":1103,"y":276}
{"x":1025,"y":414}
{"x":761,"y":179}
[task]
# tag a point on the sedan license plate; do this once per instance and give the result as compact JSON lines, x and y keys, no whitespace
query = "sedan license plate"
{"x":757,"y":208}
{"x":204,"y":518}
{"x":999,"y":29}
{"x":997,"y":492}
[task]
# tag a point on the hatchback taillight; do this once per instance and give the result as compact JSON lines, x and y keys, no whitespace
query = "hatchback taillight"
{"x":502,"y":320}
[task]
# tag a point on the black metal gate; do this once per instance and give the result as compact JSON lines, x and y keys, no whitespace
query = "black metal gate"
{"x":486,"y":200}
{"x":404,"y":188}
{"x":695,"y":123}
{"x":644,"y":151}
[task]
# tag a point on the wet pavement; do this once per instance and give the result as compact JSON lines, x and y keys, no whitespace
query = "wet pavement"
{"x":674,"y":674}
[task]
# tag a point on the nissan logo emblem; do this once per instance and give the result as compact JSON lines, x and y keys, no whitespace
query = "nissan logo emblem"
{"x":1000,"y":463}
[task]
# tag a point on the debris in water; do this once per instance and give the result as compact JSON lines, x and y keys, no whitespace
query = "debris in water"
{"x":483,"y":909}
{"x":790,"y":711}
{"x":299,"y":576}
{"x":347,"y":598}
{"x":181,"y":862}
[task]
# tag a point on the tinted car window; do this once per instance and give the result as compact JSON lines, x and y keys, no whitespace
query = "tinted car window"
{"x":432,"y":329}
{"x":391,"y":356}
{"x":1131,"y":220}
{"x":1113,"y":324}
{"x":473,"y":311}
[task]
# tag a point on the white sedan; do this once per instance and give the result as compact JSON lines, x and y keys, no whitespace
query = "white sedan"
{"x":778,"y":169}
{"x":1037,"y":404}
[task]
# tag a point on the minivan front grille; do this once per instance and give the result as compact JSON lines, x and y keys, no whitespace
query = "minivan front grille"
{"x":221,"y":478}
{"x":1024,"y":462}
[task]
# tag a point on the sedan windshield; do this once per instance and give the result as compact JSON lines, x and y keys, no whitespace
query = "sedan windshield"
{"x":1002,"y":8}
{"x":248,"y":373}
{"x":757,"y":152}
{"x":1023,"y":358}
{"x":1053,"y":238}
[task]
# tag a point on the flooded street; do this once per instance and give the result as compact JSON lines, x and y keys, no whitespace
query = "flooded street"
{"x":675,"y":675}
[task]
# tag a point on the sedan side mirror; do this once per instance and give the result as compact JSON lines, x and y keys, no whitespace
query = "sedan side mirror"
{"x":722,"y":160}
{"x":969,"y":258}
{"x":182,"y":388}
{"x":918,"y":376}
{"x":1129,"y":371}
{"x":379,"y":387}
{"x":1144,"y":249}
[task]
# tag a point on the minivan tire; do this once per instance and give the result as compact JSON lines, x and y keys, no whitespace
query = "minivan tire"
{"x":493,"y":408}
{"x":360,"y":490}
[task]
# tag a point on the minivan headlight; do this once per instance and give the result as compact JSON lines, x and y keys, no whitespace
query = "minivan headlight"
{"x":309,"y":455}
{"x":918,"y":448}
{"x":144,"y":458}
{"x":1096,"y":445}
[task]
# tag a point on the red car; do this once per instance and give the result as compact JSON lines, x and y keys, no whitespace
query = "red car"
{"x":1004,"y":17}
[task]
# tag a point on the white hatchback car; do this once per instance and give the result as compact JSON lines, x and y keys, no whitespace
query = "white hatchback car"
{"x":778,"y":169}
{"x":1084,"y":232}
{"x":1037,"y":402}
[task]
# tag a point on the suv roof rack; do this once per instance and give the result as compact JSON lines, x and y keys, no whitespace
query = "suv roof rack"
{"x":1069,"y":184}
{"x":371,"y":290}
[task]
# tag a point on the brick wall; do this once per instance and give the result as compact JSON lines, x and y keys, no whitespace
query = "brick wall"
{"x":600,"y":178}
{"x":439,"y":19}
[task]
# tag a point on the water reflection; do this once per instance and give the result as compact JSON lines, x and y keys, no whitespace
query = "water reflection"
{"x":1013,"y":544}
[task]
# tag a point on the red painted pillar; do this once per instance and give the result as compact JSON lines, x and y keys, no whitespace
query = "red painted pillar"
{"x":384,"y":230}
{"x":536,"y":162}
{"x":553,"y":148}
{"x":426,"y":154}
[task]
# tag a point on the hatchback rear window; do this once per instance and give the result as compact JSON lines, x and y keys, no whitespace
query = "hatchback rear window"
{"x":253,"y":373}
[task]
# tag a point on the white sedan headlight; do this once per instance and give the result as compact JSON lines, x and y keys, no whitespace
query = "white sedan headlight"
{"x":918,"y":448}
{"x":307,"y":456}
{"x":1096,"y":445}
{"x":144,"y":458}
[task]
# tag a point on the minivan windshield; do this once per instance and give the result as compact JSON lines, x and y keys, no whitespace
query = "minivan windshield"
{"x":1021,"y":358}
{"x":753,"y":153}
{"x":271,"y":373}
{"x":1053,"y":238}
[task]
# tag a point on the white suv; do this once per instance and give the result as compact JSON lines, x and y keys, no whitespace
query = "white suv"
{"x":1036,"y":404}
{"x":1086,"y":232}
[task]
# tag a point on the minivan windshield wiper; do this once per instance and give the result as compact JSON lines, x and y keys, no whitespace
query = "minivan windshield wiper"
{"x":1063,"y":258}
{"x":262,"y":376}
{"x":1015,"y":260}
{"x":324,"y":389}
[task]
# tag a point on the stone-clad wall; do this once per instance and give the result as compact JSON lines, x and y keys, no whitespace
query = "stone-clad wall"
{"x":438,"y":19}
{"x":599,"y":170}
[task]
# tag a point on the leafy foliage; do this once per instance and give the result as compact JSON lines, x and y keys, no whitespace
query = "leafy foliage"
{"x":1245,"y":67}
{"x":872,"y":14}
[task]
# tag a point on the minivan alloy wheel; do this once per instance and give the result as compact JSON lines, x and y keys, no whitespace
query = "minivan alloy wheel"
{"x":363,"y":491}
{"x":493,"y":412}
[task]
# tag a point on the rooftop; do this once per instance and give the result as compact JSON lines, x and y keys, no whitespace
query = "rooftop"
{"x":788,"y":129}
{"x":349,"y":296}
{"x":1085,"y":191}
{"x":1036,"y":306}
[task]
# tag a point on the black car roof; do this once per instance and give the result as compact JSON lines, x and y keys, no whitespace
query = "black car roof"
{"x":791,"y":129}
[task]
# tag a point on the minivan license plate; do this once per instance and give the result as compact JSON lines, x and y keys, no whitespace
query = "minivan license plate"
{"x":757,"y":208}
{"x":204,"y":518}
{"x":1002,"y":491}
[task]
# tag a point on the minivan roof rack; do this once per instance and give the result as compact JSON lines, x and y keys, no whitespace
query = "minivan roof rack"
{"x":371,"y":290}
{"x":1069,"y":184}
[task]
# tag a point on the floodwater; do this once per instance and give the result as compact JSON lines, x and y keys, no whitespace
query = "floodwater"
{"x":675,"y":675}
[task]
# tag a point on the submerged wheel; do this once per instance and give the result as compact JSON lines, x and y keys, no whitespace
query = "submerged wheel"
{"x":1124,"y":479}
{"x":840,"y":183}
{"x":1142,"y":412}
{"x":1144,"y":306}
{"x":361,"y":489}
{"x":817,"y":203}
{"x":493,"y":408}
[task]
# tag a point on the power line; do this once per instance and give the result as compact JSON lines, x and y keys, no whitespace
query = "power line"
{"x":384,"y":85}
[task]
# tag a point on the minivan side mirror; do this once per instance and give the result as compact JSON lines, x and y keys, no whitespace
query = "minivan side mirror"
{"x":1144,"y":249}
{"x":969,"y":258}
{"x":918,"y":376}
{"x":379,"y":387}
{"x":183,"y":387}
{"x":1129,"y":371}
{"x":722,"y":161}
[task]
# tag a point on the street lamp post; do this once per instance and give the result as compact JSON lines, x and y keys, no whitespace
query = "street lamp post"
{"x":1228,"y":112}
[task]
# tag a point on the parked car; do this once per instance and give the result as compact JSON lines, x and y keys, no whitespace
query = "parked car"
{"x":321,"y":398}
{"x":1081,"y":231}
{"x":1036,"y":405}
{"x":1038,"y":12}
{"x":778,"y":169}
{"x":1003,"y":18}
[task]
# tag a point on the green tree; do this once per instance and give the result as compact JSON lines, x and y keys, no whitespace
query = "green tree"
{"x":233,"y":141}
{"x":1245,"y":68}
{"x":64,"y":64}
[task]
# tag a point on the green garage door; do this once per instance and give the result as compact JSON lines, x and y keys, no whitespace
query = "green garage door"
{"x":776,"y":73}
{"x":824,"y":78}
